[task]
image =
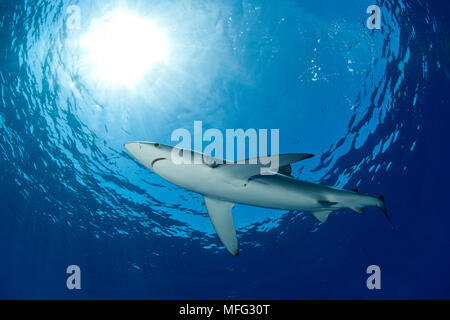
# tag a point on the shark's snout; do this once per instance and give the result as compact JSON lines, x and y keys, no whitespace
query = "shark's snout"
{"x":133,"y":148}
{"x":146,"y":152}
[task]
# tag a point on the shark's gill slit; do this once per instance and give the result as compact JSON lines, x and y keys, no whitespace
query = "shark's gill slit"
{"x":156,"y":160}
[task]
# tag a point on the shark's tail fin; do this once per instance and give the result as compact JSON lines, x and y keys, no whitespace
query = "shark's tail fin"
{"x":382,"y":207}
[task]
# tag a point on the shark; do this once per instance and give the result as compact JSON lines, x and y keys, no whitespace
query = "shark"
{"x":224,"y":184}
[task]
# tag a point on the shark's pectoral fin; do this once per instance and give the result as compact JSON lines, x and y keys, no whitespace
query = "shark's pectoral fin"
{"x":322,"y":215}
{"x":220,"y":213}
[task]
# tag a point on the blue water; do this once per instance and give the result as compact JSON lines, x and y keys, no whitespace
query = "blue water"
{"x":372,"y":105}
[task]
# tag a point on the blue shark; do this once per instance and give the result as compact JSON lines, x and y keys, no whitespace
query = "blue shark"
{"x":222,"y":185}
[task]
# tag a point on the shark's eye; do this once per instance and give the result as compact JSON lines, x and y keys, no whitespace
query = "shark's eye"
{"x":156,"y":145}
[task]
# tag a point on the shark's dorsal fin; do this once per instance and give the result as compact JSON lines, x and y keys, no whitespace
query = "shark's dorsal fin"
{"x":286,"y":170}
{"x":284,"y":159}
{"x":248,"y":168}
{"x":220,"y":213}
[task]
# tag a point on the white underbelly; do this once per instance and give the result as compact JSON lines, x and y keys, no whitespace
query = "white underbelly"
{"x":273,"y":196}
{"x":270,"y":193}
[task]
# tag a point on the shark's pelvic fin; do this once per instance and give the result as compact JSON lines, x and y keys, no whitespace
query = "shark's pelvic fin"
{"x":220,"y":213}
{"x":322,"y":215}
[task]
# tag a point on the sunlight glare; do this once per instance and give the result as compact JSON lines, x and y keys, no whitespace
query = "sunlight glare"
{"x":123,"y":47}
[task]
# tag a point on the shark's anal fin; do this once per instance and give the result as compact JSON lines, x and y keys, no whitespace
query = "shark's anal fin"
{"x":220,"y":213}
{"x":322,"y":215}
{"x":358,"y":209}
